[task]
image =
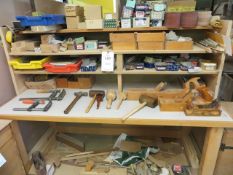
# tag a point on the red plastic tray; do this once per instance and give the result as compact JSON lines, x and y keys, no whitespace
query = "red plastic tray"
{"x":63,"y":69}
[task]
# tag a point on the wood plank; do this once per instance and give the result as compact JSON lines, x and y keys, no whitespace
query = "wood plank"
{"x":71,"y":141}
{"x":195,"y":49}
{"x":20,"y":144}
{"x":210,"y":150}
{"x":148,"y":132}
{"x":5,"y":136}
{"x":14,"y":164}
{"x":118,"y":30}
{"x":190,"y":152}
{"x":45,"y":142}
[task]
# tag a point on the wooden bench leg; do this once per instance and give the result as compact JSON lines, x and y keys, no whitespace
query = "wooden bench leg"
{"x":210,"y":151}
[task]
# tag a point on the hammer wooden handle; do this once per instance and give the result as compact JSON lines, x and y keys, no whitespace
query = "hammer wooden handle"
{"x":119,"y":104}
{"x":91,"y":104}
{"x":134,"y":111}
{"x":109,"y":103}
{"x":70,"y":107}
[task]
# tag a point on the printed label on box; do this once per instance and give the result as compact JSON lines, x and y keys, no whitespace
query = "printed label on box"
{"x":2,"y":160}
{"x":131,"y":3}
{"x":107,"y":62}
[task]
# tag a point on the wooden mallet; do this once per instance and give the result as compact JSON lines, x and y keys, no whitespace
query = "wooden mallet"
{"x":123,"y":97}
{"x":144,"y":100}
{"x":94,"y":94}
{"x":111,"y":96}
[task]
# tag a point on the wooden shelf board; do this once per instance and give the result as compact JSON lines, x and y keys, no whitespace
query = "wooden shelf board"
{"x":153,"y":71}
{"x":41,"y":72}
{"x":195,"y":49}
{"x":146,"y":116}
{"x":108,"y":30}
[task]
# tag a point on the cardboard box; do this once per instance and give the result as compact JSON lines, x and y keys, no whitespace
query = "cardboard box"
{"x":25,"y":45}
{"x":49,"y":48}
{"x":82,"y":25}
{"x":150,"y":45}
{"x":74,"y":10}
{"x":179,"y":45}
{"x":86,"y":82}
{"x":91,"y":45}
{"x":158,"y":37}
{"x":124,"y":45}
{"x":126,"y":23}
{"x":73,"y":82}
{"x":181,"y":6}
{"x":46,"y":39}
{"x":122,"y":37}
{"x":95,"y":24}
{"x":72,"y":22}
{"x":93,"y":12}
{"x":141,"y":22}
{"x":61,"y":82}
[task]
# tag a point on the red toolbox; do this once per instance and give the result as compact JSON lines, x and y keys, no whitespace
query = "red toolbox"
{"x":63,"y":66}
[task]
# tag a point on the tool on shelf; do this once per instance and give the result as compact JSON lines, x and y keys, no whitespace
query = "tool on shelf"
{"x":78,"y":95}
{"x":144,"y":100}
{"x":97,"y":95}
{"x":34,"y":105}
{"x":111,"y":96}
{"x":56,"y":95}
{"x":123,"y":97}
{"x":212,"y":109}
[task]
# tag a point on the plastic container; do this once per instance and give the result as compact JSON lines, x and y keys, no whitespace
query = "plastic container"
{"x":68,"y":68}
{"x":204,"y":18}
{"x":172,"y":20}
{"x":189,"y":19}
{"x":46,"y":20}
{"x":19,"y":63}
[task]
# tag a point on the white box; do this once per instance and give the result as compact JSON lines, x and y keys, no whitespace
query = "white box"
{"x":95,"y":24}
{"x":141,"y":22}
{"x":126,"y":23}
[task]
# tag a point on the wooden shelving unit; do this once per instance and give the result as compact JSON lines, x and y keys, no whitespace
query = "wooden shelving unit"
{"x":146,"y":117}
{"x":212,"y":77}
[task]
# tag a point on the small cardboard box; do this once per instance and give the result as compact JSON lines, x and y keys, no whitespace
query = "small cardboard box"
{"x":179,"y":45}
{"x":150,"y":45}
{"x":74,"y":10}
{"x":73,"y":82}
{"x":46,"y":39}
{"x":82,"y":25}
{"x":86,"y":82}
{"x":181,"y":6}
{"x":91,"y":45}
{"x":49,"y":48}
{"x":126,"y":23}
{"x":141,"y":22}
{"x":93,"y":12}
{"x":72,"y":22}
{"x":62,"y":82}
{"x":95,"y":24}
{"x":122,"y":37}
{"x":124,"y":45}
{"x":152,"y":37}
{"x":25,"y":45}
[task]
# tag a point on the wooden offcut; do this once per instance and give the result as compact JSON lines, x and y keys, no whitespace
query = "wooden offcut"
{"x":70,"y":141}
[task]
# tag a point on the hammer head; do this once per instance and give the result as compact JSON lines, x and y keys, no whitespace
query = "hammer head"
{"x":81,"y":94}
{"x":92,"y":93}
{"x":150,"y":102}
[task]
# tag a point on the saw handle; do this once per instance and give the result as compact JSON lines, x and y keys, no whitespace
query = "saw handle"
{"x":134,"y":111}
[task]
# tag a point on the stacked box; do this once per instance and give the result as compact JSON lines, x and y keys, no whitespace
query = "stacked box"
{"x":123,"y":41}
{"x":110,"y":23}
{"x":151,"y":41}
{"x":74,"y":16}
{"x":93,"y":15}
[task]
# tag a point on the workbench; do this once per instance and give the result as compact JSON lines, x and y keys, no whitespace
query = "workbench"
{"x":147,"y":116}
